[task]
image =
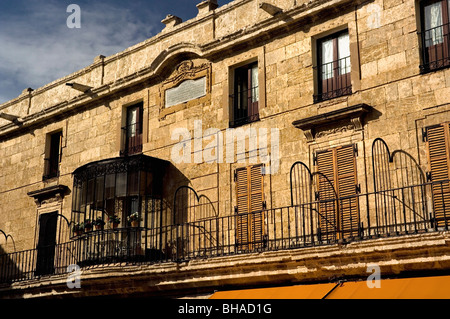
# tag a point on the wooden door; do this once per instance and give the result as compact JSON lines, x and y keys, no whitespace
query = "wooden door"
{"x":46,"y":244}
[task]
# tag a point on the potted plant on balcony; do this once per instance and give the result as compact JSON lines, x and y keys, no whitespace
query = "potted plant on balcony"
{"x":99,"y":223}
{"x":114,"y":220}
{"x":134,"y":219}
{"x":88,"y":225}
{"x":78,"y":228}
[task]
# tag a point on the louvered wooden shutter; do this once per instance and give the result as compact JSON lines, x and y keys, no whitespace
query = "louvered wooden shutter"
{"x":250,"y":205}
{"x":242,"y":226}
{"x":338,"y":202}
{"x":327,"y":195}
{"x":439,"y":158}
{"x":348,"y":200}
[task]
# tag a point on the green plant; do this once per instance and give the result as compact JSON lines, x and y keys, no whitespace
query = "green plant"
{"x":114,"y":219}
{"x":99,"y":222}
{"x":77,"y":227}
{"x":87,"y":224}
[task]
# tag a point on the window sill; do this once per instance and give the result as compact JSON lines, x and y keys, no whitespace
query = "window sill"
{"x":49,"y":178}
{"x":244,"y":121}
{"x":434,"y":66}
{"x":332,"y":94}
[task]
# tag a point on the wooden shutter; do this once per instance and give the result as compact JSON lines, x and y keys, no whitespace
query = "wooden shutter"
{"x":439,"y":158}
{"x":250,"y":205}
{"x":242,"y":227}
{"x":338,"y":201}
{"x":327,"y":195}
{"x":348,"y":200}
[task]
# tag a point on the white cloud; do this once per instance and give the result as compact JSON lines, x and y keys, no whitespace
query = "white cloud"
{"x":40,"y":48}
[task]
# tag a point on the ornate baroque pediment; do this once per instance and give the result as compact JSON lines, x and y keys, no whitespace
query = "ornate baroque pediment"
{"x":184,"y":71}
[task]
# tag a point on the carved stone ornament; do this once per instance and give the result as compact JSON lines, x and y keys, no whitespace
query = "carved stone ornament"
{"x":353,"y":114}
{"x":184,"y":71}
{"x":49,"y":195}
{"x":188,"y":82}
{"x":339,"y":129}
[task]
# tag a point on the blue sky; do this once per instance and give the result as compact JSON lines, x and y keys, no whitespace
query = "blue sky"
{"x":37,"y":47}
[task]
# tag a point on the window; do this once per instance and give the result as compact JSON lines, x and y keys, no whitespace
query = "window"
{"x":249,"y":209}
{"x":132,"y":131}
{"x":246,"y":95}
{"x":438,"y":140}
{"x":338,"y":202}
{"x":435,"y":34}
{"x":333,"y":69}
{"x":52,"y":155}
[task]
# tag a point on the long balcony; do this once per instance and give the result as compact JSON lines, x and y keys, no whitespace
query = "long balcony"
{"x":394,"y":208}
{"x":388,"y":213}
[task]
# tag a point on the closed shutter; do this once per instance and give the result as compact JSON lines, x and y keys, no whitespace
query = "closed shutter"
{"x":242,"y":226}
{"x":250,"y":205}
{"x":348,"y":200}
{"x":327,"y":195}
{"x":338,"y":201}
{"x":439,"y":158}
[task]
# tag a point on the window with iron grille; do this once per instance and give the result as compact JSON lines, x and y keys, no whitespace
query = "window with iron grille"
{"x":52,"y":155}
{"x":435,"y":34}
{"x":132,"y":131}
{"x":333,"y":67}
{"x":245,"y":97}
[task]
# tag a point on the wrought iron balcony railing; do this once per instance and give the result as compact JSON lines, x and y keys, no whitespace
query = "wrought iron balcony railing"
{"x":391,"y":212}
{"x":245,"y":107}
{"x":334,"y":79}
{"x":435,"y":48}
{"x":131,"y":139}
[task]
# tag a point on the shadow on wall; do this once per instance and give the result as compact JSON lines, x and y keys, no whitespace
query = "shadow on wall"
{"x":8,"y":267}
{"x":182,"y":204}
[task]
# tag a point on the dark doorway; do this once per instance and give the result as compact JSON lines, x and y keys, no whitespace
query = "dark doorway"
{"x":46,"y":244}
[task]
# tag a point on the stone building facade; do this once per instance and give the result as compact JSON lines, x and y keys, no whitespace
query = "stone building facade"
{"x":262,"y":143}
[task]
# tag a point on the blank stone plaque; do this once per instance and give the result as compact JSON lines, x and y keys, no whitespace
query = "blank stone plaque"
{"x":186,"y":91}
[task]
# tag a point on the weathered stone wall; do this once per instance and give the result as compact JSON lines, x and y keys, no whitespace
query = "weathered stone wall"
{"x":385,"y":57}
